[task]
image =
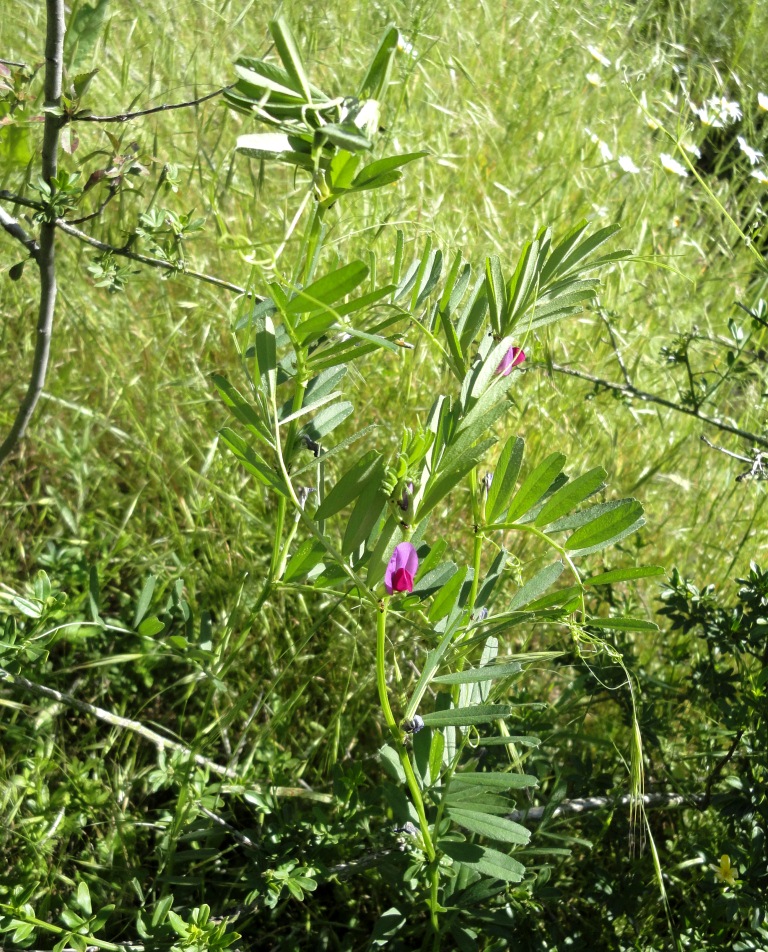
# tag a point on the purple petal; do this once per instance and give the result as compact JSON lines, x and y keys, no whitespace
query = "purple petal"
{"x":401,"y":569}
{"x":513,"y":357}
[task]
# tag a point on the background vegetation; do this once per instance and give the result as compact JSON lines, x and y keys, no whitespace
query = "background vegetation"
{"x":122,"y":496}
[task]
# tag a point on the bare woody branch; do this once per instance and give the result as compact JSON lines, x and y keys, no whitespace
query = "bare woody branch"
{"x":128,"y":116}
{"x":15,"y":230}
{"x":630,"y":390}
{"x":46,"y":252}
{"x":104,"y":246}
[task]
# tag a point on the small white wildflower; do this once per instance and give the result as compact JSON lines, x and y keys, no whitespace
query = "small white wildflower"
{"x":752,"y":154}
{"x":594,"y":79}
{"x":605,"y":151}
{"x":718,"y":112}
{"x":761,"y":177}
{"x":762,"y":102}
{"x":595,"y":53}
{"x":627,"y":165}
{"x":672,"y":165}
{"x":404,"y":46}
{"x":691,"y":149}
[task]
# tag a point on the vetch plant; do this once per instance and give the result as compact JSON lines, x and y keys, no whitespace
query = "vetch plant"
{"x":404,"y":520}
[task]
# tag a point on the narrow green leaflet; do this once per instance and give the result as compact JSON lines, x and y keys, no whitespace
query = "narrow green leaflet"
{"x":391,"y":763}
{"x":504,"y":478}
{"x":448,"y":596}
{"x":307,"y":556}
{"x":495,"y":292}
{"x":434,"y":580}
{"x":572,"y":494}
{"x":491,"y":826}
{"x":253,"y":463}
{"x":625,"y":575}
{"x":484,"y":860}
{"x":435,"y":657}
{"x":606,"y":528}
{"x":369,"y":173}
{"x":535,"y":587}
{"x":145,"y":599}
{"x":376,"y":78}
{"x":289,"y":54}
{"x":335,"y":450}
{"x":492,"y":781}
{"x":323,"y":292}
{"x":465,"y":716}
{"x":535,"y":486}
{"x":522,"y":739}
{"x":445,"y":481}
{"x":365,"y":515}
{"x":490,"y":672}
{"x":360,"y":474}
{"x":277,"y":146}
{"x":327,"y":420}
{"x":623,"y":624}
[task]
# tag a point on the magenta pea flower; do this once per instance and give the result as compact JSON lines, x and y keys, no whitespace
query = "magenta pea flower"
{"x":402,"y":567}
{"x":513,"y":358}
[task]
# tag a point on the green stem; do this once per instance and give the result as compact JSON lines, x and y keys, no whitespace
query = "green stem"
{"x":405,"y":761}
{"x":478,"y":539}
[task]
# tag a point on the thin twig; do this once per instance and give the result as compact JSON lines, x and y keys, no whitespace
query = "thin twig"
{"x":127,"y":116}
{"x":631,"y":390}
{"x":162,"y":743}
{"x":651,"y":801}
{"x":14,"y":229}
{"x":151,"y":262}
{"x":720,"y":765}
{"x":69,"y":228}
{"x":6,"y":62}
{"x":46,"y":254}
